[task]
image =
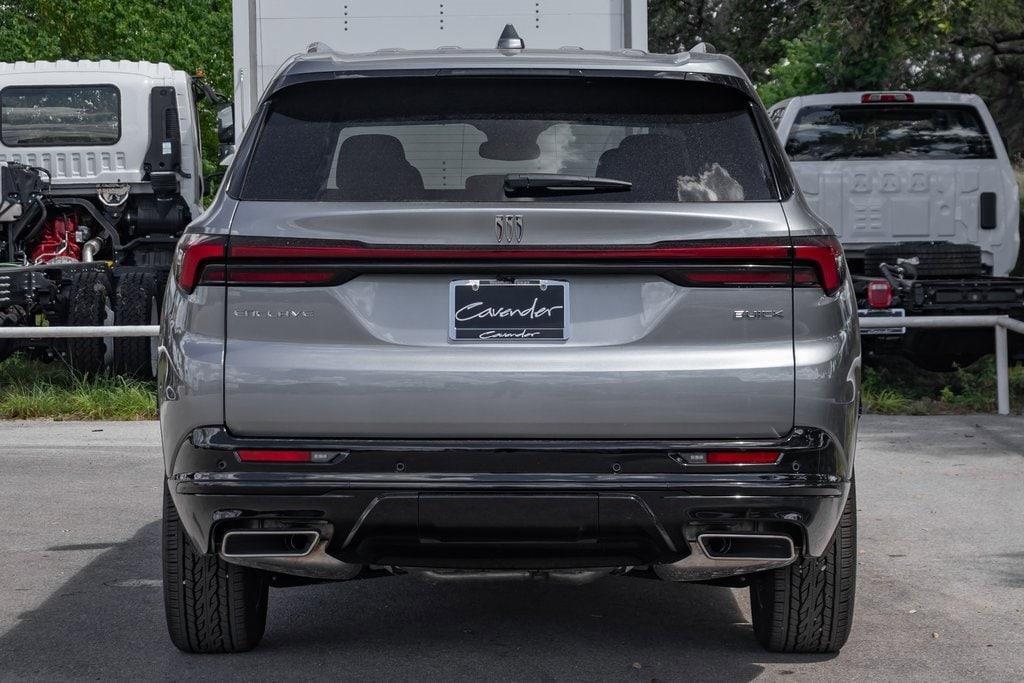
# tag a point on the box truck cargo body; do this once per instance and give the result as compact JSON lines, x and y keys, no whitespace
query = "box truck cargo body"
{"x":268,"y":32}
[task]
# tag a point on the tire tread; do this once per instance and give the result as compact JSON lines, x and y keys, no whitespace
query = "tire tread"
{"x":87,"y":307}
{"x":808,"y":606}
{"x":132,"y":306}
{"x":211,"y":605}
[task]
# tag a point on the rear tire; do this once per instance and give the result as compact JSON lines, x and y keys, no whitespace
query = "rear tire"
{"x":87,"y":306}
{"x":211,"y":605}
{"x":135,"y":304}
{"x":808,"y":606}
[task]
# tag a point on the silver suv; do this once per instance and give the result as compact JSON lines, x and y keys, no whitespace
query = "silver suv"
{"x":509,"y":313}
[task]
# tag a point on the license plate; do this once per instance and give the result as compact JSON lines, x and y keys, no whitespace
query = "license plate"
{"x":882,"y":313}
{"x":520,"y":310}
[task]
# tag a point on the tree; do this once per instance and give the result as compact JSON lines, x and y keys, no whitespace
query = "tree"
{"x":956,"y":45}
{"x":859,"y":45}
{"x":750,"y":31}
{"x":788,"y":47}
{"x":985,"y":54}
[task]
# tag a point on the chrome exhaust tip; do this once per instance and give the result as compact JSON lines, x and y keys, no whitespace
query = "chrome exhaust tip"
{"x":249,"y":543}
{"x":747,"y":547}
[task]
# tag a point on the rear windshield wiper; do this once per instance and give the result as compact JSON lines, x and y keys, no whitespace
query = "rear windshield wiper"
{"x":542,"y":184}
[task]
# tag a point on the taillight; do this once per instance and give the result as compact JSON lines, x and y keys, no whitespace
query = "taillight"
{"x":742,"y":457}
{"x":807,"y":262}
{"x":259,"y":249}
{"x":279,"y":275}
{"x":825,"y":256}
{"x":744,"y":276}
{"x":192,"y":256}
{"x":879,"y":294}
{"x":885,"y":97}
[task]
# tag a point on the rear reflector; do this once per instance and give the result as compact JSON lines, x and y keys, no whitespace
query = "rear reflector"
{"x":249,"y":455}
{"x":885,"y":97}
{"x":879,"y":294}
{"x":742,"y":457}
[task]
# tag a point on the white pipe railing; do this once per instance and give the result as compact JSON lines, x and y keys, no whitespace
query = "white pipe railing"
{"x":67,"y":332}
{"x":1000,"y":323}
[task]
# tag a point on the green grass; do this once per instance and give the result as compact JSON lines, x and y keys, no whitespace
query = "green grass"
{"x":894,"y":386}
{"x":31,"y":389}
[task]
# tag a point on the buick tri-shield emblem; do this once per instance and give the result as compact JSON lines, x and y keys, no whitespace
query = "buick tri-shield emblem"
{"x":508,"y":227}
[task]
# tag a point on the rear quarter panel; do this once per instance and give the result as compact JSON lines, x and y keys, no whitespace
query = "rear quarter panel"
{"x":190,"y":374}
{"x":826,"y":347}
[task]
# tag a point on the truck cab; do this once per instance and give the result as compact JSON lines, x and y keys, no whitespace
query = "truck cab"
{"x":104,"y":160}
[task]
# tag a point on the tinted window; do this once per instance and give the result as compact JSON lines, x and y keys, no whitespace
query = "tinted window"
{"x":60,"y":115}
{"x":914,"y":131}
{"x":455,"y":139}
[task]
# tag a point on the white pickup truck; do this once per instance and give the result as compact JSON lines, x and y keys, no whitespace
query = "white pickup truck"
{"x":920,"y":190}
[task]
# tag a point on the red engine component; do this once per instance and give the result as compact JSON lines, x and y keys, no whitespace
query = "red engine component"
{"x":57,"y":243}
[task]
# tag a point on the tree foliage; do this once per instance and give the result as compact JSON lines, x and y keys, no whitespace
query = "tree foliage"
{"x":789,"y":47}
{"x":187,"y":34}
{"x":797,"y":47}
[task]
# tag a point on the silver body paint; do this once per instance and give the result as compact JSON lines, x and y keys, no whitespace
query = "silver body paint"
{"x":646,"y":358}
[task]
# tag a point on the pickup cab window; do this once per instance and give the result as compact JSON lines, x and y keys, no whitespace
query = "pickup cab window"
{"x":913,"y":131}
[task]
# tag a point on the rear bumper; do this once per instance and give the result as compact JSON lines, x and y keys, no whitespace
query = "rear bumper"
{"x":956,"y":296}
{"x":512,"y":505}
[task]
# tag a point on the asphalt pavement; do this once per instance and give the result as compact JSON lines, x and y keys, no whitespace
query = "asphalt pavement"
{"x":940,"y":587}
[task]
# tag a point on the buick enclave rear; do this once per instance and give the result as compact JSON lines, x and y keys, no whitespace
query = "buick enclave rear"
{"x":509,"y":314}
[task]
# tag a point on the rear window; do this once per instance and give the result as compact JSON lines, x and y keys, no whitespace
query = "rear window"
{"x":48,"y":116}
{"x":456,"y":139}
{"x":913,"y":131}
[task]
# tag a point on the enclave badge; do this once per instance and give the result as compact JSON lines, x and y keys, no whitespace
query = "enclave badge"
{"x":270,"y":313}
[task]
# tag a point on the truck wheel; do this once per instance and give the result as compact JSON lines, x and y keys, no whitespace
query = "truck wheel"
{"x":808,"y":606}
{"x":211,"y":606}
{"x":136,"y":304}
{"x":88,"y":305}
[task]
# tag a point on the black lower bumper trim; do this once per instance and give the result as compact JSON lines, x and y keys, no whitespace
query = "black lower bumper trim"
{"x":536,"y":504}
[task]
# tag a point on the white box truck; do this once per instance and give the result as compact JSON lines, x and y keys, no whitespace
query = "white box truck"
{"x":268,"y":32}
